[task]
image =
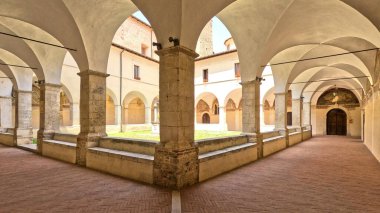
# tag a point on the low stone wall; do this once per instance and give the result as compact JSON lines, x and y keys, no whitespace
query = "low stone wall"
{"x":7,"y":139}
{"x":307,"y":134}
{"x":64,"y":151}
{"x":270,"y":134}
{"x":210,"y":145}
{"x":132,"y":166}
{"x":131,"y":145}
{"x":62,"y":147}
{"x":272,"y":145}
{"x":295,"y":138}
{"x":213,"y":164}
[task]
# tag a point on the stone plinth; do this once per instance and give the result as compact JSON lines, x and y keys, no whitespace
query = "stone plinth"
{"x":23,"y":127}
{"x":92,"y":112}
{"x":49,"y":113}
{"x":176,"y":157}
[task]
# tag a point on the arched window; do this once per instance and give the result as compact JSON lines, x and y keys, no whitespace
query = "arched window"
{"x":206,"y":118}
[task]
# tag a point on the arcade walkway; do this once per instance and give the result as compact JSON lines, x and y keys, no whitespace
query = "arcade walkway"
{"x":324,"y":174}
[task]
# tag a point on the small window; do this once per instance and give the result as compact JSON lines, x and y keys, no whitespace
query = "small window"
{"x":216,"y":109}
{"x":205,"y":75}
{"x":237,"y":70}
{"x":136,"y":72}
{"x":144,"y":49}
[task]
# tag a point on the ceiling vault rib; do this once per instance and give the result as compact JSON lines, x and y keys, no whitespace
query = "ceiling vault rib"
{"x":330,"y":79}
{"x":37,"y":41}
{"x":20,"y":66}
{"x":320,"y":57}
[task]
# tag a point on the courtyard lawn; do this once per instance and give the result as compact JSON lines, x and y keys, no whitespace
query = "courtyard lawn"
{"x":148,"y":135}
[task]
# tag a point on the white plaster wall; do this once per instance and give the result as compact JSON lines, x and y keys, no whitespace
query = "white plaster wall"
{"x":319,"y":116}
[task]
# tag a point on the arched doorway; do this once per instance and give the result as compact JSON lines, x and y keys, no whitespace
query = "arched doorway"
{"x":336,"y":122}
{"x":206,"y":118}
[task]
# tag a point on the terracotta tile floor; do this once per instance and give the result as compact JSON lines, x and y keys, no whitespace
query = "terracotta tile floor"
{"x":31,"y":183}
{"x":324,"y":174}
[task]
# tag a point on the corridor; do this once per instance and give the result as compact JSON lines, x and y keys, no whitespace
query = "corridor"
{"x":324,"y":174}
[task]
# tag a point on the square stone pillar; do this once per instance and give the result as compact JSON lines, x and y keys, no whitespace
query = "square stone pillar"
{"x":176,"y":157}
{"x":5,"y":113}
{"x":251,"y":113}
{"x":281,"y":120}
{"x":49,"y":113}
{"x":297,"y":113}
{"x":92,"y":112}
{"x":23,"y":127}
{"x":75,"y":114}
{"x":306,"y":114}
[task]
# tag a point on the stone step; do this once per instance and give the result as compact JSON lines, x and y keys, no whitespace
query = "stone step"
{"x":72,"y":138}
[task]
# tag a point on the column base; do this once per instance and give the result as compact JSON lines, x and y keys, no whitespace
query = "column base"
{"x":258,"y":139}
{"x":41,"y":136}
{"x":85,"y":141}
{"x":175,"y":168}
{"x":285,"y":133}
{"x":23,"y":136}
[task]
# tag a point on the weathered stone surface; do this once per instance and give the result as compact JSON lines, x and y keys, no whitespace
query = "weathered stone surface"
{"x":281,"y":115}
{"x":5,"y":113}
{"x":23,"y":126}
{"x":49,"y":113}
{"x":176,"y":157}
{"x":306,"y":114}
{"x":251,"y":113}
{"x":297,"y":112}
{"x":92,"y":112}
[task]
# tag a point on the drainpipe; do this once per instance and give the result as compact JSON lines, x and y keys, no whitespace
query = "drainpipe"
{"x":121,"y":89}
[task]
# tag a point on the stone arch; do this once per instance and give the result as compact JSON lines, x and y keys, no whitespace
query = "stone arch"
{"x":207,"y":102}
{"x":134,"y":107}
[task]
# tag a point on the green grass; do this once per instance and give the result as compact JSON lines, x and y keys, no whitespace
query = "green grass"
{"x":34,"y":141}
{"x":148,"y":135}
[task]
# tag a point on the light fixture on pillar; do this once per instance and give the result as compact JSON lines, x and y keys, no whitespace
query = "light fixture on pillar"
{"x":158,"y":45}
{"x":175,"y":41}
{"x":39,"y":82}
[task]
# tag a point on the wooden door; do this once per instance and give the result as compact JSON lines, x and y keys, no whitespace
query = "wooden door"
{"x":336,"y":122}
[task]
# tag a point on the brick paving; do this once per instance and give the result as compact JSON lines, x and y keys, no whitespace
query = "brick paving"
{"x":30,"y":183}
{"x":324,"y":174}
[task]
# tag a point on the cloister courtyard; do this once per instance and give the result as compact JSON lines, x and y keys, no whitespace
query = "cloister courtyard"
{"x":189,"y":106}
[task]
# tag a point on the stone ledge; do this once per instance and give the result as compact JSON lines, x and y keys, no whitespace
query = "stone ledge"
{"x":273,"y":139}
{"x":224,"y":152}
{"x":295,"y":133}
{"x":215,"y":144}
{"x":61,"y":143}
{"x":122,"y":154}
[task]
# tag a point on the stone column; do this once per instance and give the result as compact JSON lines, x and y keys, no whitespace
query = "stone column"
{"x":92,"y":112}
{"x":49,"y":113}
{"x":306,"y":114}
{"x":223,"y":118}
{"x":5,"y":113}
{"x":118,"y":114}
{"x":75,"y":114}
{"x":23,"y":126}
{"x":262,"y":122}
{"x":176,"y":157}
{"x":281,"y":115}
{"x":297,"y":113}
{"x":251,"y":113}
{"x":148,"y":115}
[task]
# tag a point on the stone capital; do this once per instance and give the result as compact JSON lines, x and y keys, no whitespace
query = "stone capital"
{"x":59,"y":86}
{"x":92,"y":72}
{"x":280,"y":93}
{"x":175,"y":50}
{"x":24,"y":91}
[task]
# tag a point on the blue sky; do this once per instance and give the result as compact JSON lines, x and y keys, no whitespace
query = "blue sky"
{"x":220,"y":32}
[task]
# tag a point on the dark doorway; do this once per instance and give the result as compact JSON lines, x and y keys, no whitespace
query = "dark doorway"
{"x":289,"y":118}
{"x":336,"y":122}
{"x":205,"y":118}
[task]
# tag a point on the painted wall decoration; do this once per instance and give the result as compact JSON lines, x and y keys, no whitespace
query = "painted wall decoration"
{"x":338,"y":96}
